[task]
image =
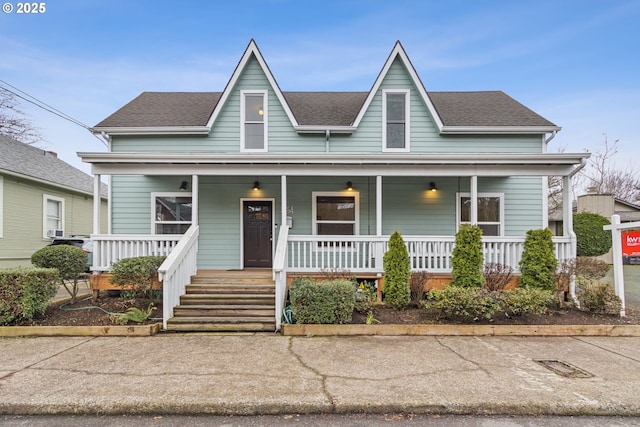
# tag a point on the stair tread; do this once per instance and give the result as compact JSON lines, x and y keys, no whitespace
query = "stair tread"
{"x":227,"y":306}
{"x":221,"y":319}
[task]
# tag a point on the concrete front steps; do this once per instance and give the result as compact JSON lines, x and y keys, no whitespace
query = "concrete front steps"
{"x":227,"y":301}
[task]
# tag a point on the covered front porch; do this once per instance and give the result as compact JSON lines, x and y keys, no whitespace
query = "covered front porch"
{"x":312,"y":252}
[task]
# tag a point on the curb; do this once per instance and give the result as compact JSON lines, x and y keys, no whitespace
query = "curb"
{"x":462,"y":330}
{"x":81,"y":331}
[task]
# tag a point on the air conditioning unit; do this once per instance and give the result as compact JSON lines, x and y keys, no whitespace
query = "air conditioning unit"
{"x":52,"y":232}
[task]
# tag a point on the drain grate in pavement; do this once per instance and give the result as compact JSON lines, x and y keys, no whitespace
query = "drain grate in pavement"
{"x":563,"y":368}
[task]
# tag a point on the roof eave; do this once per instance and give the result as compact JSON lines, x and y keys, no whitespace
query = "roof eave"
{"x":152,"y":130}
{"x":499,"y":129}
{"x":50,"y":183}
{"x":325,"y":129}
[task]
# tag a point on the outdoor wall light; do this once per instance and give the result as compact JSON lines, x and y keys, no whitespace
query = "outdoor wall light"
{"x":256,"y":185}
{"x":432,"y":186}
{"x":183,"y":185}
{"x":349,"y":186}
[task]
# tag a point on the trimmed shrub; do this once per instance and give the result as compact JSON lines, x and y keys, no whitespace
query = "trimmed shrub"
{"x":465,"y":303}
{"x":397,"y":272}
{"x":323,"y":302}
{"x":599,"y":298}
{"x":528,"y":300}
{"x":467,"y":257}
{"x":592,"y":240}
{"x":26,"y":292}
{"x":538,"y":264}
{"x":70,"y":261}
{"x":139,"y":272}
{"x":472,"y":304}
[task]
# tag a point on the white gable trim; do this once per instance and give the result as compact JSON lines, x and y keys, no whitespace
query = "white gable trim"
{"x":252,"y":49}
{"x":398,"y":52}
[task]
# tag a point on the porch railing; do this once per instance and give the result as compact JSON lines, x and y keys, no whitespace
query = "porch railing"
{"x":110,"y":248}
{"x":364,"y":254}
{"x":176,"y":271}
{"x":280,"y":273}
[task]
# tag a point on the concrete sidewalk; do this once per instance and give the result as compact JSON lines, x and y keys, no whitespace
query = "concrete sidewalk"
{"x":272,"y":374}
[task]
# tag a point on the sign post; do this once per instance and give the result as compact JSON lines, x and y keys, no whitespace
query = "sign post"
{"x":616,"y":240}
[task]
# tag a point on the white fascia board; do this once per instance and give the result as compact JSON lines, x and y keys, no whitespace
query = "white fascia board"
{"x":398,"y":51}
{"x":324,"y":129}
{"x":155,"y":130}
{"x":499,"y":129}
{"x":288,"y":169}
{"x":330,"y":159}
{"x":252,"y":49}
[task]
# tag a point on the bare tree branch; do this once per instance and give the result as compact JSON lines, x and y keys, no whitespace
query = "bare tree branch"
{"x":13,"y":122}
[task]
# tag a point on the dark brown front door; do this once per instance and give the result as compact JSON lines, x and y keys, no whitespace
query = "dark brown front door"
{"x":257,"y":233}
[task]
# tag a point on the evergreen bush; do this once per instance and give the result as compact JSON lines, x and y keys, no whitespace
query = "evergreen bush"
{"x":592,"y":240}
{"x":538,"y":264}
{"x":397,"y":273}
{"x":467,"y":259}
{"x":26,"y":292}
{"x":70,"y":261}
{"x":139,"y":272}
{"x":323,"y":302}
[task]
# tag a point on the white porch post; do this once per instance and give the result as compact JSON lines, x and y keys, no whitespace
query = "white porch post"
{"x":283,"y":200}
{"x":96,"y":204}
{"x":474,"y":200}
{"x":195,"y":198}
{"x":378,"y":205}
{"x":567,"y":227}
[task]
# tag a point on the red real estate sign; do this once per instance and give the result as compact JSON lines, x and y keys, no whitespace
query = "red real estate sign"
{"x":631,"y":243}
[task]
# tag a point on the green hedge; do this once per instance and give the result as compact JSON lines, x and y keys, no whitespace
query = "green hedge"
{"x":323,"y":302}
{"x":592,"y":240}
{"x":538,"y":264}
{"x":26,"y":292}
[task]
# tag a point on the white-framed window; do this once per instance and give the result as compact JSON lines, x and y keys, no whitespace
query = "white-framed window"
{"x":171,"y":212}
{"x":395,"y":120}
{"x":52,"y":216}
{"x":253,"y":117}
{"x":336,"y":213}
{"x":490,"y":212}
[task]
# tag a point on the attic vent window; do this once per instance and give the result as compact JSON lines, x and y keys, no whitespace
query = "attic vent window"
{"x":254,"y":117}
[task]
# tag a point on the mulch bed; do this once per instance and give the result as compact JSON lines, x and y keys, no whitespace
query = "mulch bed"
{"x":86,"y":313}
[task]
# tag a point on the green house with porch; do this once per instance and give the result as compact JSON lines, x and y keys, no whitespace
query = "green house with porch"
{"x":256,"y":184}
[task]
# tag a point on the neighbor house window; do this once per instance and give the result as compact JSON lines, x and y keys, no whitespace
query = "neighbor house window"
{"x":52,"y":216}
{"x":253,"y":111}
{"x":171,"y":213}
{"x":335,"y":213}
{"x":395,"y":118}
{"x":490,"y":212}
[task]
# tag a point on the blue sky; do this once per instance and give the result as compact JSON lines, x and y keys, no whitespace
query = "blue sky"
{"x":574,"y":62}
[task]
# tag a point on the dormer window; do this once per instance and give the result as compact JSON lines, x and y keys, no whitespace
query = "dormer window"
{"x":253,"y":110}
{"x":395,"y":118}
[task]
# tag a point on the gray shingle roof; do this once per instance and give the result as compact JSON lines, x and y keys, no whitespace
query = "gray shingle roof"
{"x":472,"y":109}
{"x":36,"y":163}
{"x":493,"y":108}
{"x":151,"y":109}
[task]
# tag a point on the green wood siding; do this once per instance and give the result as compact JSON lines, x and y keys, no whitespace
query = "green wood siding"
{"x":23,"y":218}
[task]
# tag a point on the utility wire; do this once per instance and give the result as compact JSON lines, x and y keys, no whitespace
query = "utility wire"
{"x":43,"y":105}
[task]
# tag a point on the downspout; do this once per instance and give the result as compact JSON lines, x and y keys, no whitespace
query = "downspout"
{"x":327,"y":136}
{"x":553,"y":135}
{"x":572,"y":235}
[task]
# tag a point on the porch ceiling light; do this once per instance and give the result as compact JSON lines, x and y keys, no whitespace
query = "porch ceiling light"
{"x":349,"y":186}
{"x":432,"y":186}
{"x":256,"y":185}
{"x":183,"y":185}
